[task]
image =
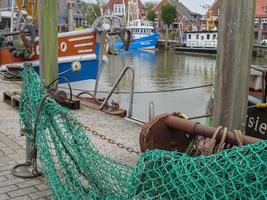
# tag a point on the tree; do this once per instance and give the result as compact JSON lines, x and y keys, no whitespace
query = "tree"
{"x":93,"y":13}
{"x":151,"y":15}
{"x":168,"y":15}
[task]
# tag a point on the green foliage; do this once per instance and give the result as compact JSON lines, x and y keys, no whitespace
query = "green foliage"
{"x":149,"y":5}
{"x":173,"y":35}
{"x":151,"y":15}
{"x":93,"y":13}
{"x":168,"y":14}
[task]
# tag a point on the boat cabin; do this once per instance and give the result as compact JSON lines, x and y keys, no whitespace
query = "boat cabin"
{"x":201,"y":39}
{"x":140,"y":28}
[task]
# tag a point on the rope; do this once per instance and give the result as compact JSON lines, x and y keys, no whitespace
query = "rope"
{"x":213,"y":140}
{"x":239,"y":137}
{"x":222,"y":143}
{"x":146,"y":92}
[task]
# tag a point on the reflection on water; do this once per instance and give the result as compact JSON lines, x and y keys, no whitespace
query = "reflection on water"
{"x":162,"y":70}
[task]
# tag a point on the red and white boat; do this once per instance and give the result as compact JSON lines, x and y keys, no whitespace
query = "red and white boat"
{"x":78,"y":53}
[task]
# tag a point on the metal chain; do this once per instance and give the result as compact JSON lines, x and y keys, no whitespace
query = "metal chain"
{"x":111,"y":141}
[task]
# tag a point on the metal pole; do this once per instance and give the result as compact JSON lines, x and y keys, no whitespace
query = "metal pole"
{"x":198,"y":129}
{"x":101,"y":37}
{"x":234,"y":58}
{"x":70,"y":16}
{"x":12,"y":16}
{"x":130,"y":111}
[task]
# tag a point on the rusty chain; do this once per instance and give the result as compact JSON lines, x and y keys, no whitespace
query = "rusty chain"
{"x":111,"y":141}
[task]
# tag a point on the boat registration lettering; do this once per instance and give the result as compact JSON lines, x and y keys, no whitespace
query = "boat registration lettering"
{"x":63,"y":47}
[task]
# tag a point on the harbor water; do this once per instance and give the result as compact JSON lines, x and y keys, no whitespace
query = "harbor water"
{"x":157,"y":72}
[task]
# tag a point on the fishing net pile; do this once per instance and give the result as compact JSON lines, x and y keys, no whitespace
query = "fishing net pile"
{"x":75,"y":169}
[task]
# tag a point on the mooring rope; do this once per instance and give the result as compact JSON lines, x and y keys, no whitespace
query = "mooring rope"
{"x":147,"y":92}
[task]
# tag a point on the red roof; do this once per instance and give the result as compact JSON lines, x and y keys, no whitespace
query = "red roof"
{"x":260,"y":8}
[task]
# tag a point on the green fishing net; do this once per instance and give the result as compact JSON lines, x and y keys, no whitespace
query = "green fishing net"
{"x":75,"y":169}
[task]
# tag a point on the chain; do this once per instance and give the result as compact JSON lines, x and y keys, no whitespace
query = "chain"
{"x":111,"y":141}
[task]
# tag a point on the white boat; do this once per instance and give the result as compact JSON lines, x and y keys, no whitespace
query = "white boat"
{"x":199,"y":42}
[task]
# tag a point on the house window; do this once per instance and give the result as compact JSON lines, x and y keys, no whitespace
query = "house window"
{"x":119,"y":8}
{"x":202,"y":37}
{"x":9,"y":3}
{"x":197,"y":36}
{"x":189,"y":36}
{"x":257,"y":20}
{"x":214,"y":36}
{"x":264,"y":20}
{"x":265,"y":8}
{"x":208,"y":36}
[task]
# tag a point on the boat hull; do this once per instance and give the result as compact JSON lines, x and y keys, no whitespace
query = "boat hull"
{"x":78,"y":46}
{"x":146,"y":42}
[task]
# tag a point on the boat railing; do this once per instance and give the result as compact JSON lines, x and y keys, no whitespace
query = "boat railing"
{"x":263,"y":70}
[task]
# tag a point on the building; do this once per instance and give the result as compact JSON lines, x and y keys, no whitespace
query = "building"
{"x":260,"y":19}
{"x":185,"y":20}
{"x":120,"y":7}
{"x":78,"y":10}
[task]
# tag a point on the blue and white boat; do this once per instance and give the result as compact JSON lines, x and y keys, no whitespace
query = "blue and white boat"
{"x":143,"y":34}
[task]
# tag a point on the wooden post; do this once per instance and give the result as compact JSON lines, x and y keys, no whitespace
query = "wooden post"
{"x":233,"y":62}
{"x":48,"y":33}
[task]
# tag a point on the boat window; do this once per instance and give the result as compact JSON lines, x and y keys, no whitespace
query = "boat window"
{"x":189,"y":36}
{"x":202,"y":37}
{"x":214,"y":36}
{"x":208,"y":36}
{"x":197,"y":36}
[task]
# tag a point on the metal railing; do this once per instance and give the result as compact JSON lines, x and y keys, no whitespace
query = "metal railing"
{"x":130,"y":110}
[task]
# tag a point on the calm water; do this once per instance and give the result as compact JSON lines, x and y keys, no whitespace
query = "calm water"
{"x":162,"y":70}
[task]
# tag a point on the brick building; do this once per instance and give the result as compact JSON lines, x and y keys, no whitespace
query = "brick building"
{"x":186,"y":20}
{"x":260,"y":18}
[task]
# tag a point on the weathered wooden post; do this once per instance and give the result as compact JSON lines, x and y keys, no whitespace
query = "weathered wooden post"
{"x":233,"y":62}
{"x":48,"y":31}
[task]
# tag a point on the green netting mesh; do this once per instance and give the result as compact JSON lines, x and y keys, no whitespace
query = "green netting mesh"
{"x":75,"y":169}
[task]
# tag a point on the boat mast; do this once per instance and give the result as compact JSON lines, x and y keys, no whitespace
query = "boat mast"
{"x":12,"y":16}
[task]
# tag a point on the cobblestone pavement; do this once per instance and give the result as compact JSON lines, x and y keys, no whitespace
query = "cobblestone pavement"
{"x":12,"y":187}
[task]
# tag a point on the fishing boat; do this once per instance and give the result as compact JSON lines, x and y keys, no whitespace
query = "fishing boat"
{"x":143,"y":35}
{"x":78,"y":54}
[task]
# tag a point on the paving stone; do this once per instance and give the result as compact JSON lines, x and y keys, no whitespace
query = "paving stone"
{"x":4,"y":197}
{"x":22,"y":192}
{"x":6,"y":172}
{"x":32,"y":182}
{"x":11,"y":181}
{"x":26,"y":197}
{"x":41,"y":187}
{"x":7,"y":189}
{"x":39,"y":194}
